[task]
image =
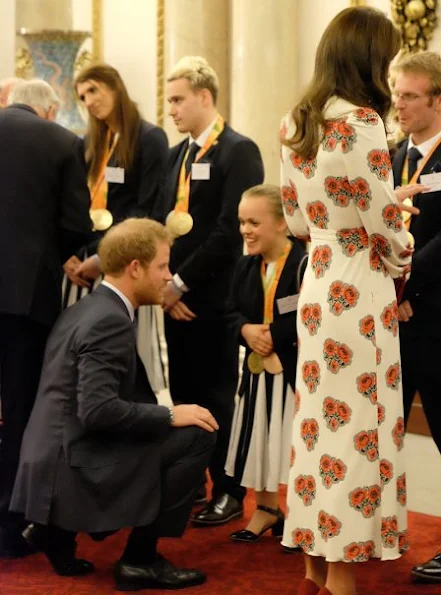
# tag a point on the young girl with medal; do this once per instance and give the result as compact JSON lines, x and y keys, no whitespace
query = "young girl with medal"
{"x":126,"y":160}
{"x":262,"y":312}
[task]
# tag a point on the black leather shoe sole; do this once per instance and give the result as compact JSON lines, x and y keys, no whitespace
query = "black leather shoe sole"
{"x":215,"y":522}
{"x":422,"y":577}
{"x":156,"y":584}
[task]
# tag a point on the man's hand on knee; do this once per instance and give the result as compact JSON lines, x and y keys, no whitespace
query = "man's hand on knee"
{"x":193,"y":415}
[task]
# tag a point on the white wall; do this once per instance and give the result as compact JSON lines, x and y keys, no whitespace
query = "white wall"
{"x":129,"y":45}
{"x":7,"y":38}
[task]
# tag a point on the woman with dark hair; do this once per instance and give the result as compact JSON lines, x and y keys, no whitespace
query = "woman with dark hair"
{"x":126,"y":160}
{"x":346,"y":491}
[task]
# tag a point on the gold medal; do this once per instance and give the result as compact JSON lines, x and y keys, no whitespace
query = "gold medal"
{"x":406,"y":215}
{"x":410,"y":239}
{"x":102,"y":219}
{"x":272,"y":364}
{"x":255,"y":363}
{"x":179,"y":224}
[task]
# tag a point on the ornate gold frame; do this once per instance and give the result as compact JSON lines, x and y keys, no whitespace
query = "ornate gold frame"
{"x":358,"y":2}
{"x":97,"y":22}
{"x":160,"y":62}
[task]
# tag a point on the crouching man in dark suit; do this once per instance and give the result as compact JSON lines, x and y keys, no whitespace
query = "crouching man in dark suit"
{"x":99,"y":453}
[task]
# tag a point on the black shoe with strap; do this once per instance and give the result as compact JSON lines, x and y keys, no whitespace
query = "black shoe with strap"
{"x":159,"y":575}
{"x":247,"y":536}
{"x":60,"y":555}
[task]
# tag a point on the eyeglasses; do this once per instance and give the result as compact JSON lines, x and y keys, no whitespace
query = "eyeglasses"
{"x":408,"y":97}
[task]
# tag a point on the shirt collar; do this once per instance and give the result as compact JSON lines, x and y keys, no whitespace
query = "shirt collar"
{"x":200,"y":140}
{"x":424,"y":147}
{"x":125,"y":299}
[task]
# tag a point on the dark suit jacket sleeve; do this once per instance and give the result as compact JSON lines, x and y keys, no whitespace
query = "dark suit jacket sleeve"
{"x":74,"y":221}
{"x":243,"y":170}
{"x":153,"y":164}
{"x":103,"y":363}
{"x":425,"y":267}
{"x":284,"y":331}
{"x":235,"y":319}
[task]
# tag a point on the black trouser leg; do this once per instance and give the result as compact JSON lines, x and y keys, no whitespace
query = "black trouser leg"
{"x":184,"y":457}
{"x":203,"y":369}
{"x":22,"y":344}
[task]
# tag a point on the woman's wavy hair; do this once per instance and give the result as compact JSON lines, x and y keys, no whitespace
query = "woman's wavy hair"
{"x":128,"y":119}
{"x":352,"y":62}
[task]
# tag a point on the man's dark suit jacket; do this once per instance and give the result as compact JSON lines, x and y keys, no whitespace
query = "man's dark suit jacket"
{"x":246,"y":301}
{"x":143,"y":183}
{"x":205,"y":258}
{"x":423,"y":289}
{"x":89,"y":458}
{"x":44,"y":211}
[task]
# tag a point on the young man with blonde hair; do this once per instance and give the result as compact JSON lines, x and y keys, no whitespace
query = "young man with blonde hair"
{"x":99,"y":453}
{"x":207,"y":174}
{"x":417,"y":96}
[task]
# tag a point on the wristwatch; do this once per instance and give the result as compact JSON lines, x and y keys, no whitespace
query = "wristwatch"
{"x":172,"y":415}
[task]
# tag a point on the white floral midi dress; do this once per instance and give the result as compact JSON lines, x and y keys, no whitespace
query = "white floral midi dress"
{"x":347,"y":487}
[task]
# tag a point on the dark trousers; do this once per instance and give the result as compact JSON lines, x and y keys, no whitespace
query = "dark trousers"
{"x":203,"y":369}
{"x":184,"y":455}
{"x":22,"y":344}
{"x":420,"y":363}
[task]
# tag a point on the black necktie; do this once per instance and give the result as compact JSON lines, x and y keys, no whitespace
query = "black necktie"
{"x":413,"y":155}
{"x":194,"y":148}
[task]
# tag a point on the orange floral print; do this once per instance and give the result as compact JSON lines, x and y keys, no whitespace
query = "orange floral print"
{"x":381,"y":413}
{"x":318,"y":214}
{"x":393,"y":376}
{"x":366,"y":443}
{"x":392,"y":217}
{"x":389,"y":531}
{"x":303,"y":538}
{"x":360,"y":551}
{"x":366,"y":499}
{"x":367,"y":115}
{"x":328,"y":525}
{"x":379,"y":163}
{"x":342,"y":297}
{"x":304,"y":487}
{"x":311,"y":375}
{"x":289,"y":198}
{"x":336,"y":413}
{"x":361,"y":193}
{"x":338,"y":132}
{"x":401,"y":489}
{"x":386,"y":472}
{"x":389,"y":318}
{"x":311,"y":317}
{"x":337,"y":355}
{"x":309,"y":432}
{"x":306,"y":166}
{"x":367,"y":327}
{"x":367,"y":385}
{"x":398,"y":433}
{"x":332,"y":470}
{"x":352,"y":240}
{"x":321,"y":260}
{"x":339,"y":190}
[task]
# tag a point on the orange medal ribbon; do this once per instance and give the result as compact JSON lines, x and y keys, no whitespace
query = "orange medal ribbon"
{"x":98,"y":190}
{"x":405,"y":175}
{"x":183,"y":194}
{"x":270,"y":286}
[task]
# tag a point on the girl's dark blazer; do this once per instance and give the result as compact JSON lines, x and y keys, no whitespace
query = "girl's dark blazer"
{"x":245,"y":305}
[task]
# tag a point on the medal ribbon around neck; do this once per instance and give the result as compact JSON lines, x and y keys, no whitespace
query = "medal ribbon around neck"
{"x":407,"y":217}
{"x":98,"y":190}
{"x":270,"y":286}
{"x":183,"y":195}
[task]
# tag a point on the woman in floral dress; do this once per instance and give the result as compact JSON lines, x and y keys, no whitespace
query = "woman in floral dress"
{"x":346,"y":491}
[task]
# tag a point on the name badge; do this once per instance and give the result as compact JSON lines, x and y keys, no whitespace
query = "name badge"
{"x":200,"y":171}
{"x":114,"y":175}
{"x":432,"y":180}
{"x":288,"y":304}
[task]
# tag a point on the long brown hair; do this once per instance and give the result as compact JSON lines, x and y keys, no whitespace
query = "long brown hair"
{"x":352,"y":62}
{"x":128,"y":120}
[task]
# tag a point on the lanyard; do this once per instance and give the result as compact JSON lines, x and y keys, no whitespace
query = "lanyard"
{"x":270,"y":285}
{"x":98,"y":191}
{"x":183,"y":195}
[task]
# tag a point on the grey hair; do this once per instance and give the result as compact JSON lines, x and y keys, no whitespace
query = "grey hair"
{"x":35,"y":93}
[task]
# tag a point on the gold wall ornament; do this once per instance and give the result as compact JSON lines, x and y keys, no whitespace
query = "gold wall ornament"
{"x":358,"y":2}
{"x":83,"y":60}
{"x":24,"y":66}
{"x":160,"y":63}
{"x":416,"y":20}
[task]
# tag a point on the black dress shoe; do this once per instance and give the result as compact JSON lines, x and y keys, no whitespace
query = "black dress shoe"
{"x":63,"y":560}
{"x":247,"y":536}
{"x":159,"y":575}
{"x":429,"y":572}
{"x":219,"y":510}
{"x":13,"y":545}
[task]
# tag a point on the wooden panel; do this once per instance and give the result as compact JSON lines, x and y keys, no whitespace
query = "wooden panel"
{"x":417,"y":420}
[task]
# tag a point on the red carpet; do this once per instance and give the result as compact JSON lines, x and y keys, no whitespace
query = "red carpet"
{"x":233,"y":569}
